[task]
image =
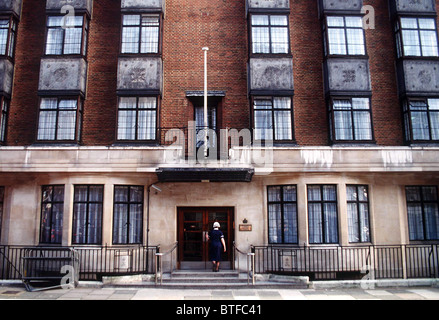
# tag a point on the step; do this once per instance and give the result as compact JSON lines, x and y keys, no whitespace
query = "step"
{"x":203,"y":279}
{"x":205,"y":274}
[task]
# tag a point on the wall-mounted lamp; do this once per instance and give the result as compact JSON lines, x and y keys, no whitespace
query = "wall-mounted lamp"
{"x":245,"y":220}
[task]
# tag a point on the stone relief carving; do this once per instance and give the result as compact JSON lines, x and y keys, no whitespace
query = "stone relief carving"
{"x":421,"y":76}
{"x":342,"y":4}
{"x":415,"y":5}
{"x":63,"y":74}
{"x":348,"y":75}
{"x":270,"y":74}
{"x":139,"y":74}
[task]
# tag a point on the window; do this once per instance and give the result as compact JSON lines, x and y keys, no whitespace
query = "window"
{"x":350,"y":119}
{"x":137,"y":118}
{"x":128,"y":214}
{"x":273,"y":118}
{"x":140,"y":33}
{"x":269,"y":34}
{"x":345,"y":35}
{"x":87,"y":214}
{"x":52,"y":209}
{"x":2,"y":199}
{"x":8,"y":29}
{"x":282,"y":214}
{"x":423,"y":212}
{"x":322,"y":214}
{"x":4,"y":119}
{"x":416,"y":37}
{"x":421,"y":120}
{"x":66,"y":35}
{"x":60,"y":119}
{"x":211,"y":124}
{"x":358,"y":213}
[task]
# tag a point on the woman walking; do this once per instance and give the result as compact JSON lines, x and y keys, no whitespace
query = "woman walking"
{"x":216,"y":244}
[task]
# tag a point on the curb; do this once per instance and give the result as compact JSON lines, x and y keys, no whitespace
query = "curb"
{"x":371,"y":284}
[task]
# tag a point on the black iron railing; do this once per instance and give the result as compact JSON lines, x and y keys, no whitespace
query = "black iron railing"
{"x":325,"y":263}
{"x":319,"y":263}
{"x":94,"y":262}
{"x":189,"y":142}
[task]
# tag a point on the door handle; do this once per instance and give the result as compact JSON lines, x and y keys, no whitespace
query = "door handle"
{"x":204,"y":236}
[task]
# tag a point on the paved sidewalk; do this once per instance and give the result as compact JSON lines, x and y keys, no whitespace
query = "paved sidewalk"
{"x":84,"y":293}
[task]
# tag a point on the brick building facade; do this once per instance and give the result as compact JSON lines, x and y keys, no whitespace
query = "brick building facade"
{"x":103,"y":125}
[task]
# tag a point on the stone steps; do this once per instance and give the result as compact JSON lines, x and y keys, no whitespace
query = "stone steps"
{"x":203,"y":279}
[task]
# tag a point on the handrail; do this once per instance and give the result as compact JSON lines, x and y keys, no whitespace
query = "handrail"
{"x":250,"y":265}
{"x":159,"y":262}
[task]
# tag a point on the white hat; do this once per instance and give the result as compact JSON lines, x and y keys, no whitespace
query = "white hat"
{"x":216,"y":225}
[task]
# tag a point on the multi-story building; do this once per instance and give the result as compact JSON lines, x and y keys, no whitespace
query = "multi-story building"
{"x":322,"y":118}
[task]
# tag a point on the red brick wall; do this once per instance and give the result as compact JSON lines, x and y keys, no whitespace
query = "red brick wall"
{"x":310,"y":115}
{"x":23,"y":113}
{"x":189,"y":26}
{"x":386,"y":110}
{"x":100,"y":108}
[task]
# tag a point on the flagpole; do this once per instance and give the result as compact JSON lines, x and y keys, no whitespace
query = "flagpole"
{"x":206,"y":122}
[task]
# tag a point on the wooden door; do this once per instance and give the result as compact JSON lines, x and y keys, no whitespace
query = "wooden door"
{"x":193,"y":225}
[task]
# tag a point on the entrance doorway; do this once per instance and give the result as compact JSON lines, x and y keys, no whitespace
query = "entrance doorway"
{"x":193,"y":225}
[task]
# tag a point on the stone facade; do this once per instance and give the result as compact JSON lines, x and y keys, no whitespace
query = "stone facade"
{"x":174,"y":76}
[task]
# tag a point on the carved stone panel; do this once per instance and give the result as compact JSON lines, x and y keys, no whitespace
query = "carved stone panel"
{"x":268,"y":4}
{"x":76,"y":4}
{"x":63,"y":74}
{"x":341,"y":5}
{"x":421,"y":76}
{"x":347,"y":75}
{"x":140,"y":74}
{"x":142,"y":4}
{"x":11,"y":6}
{"x":6,"y":75}
{"x":403,"y":6}
{"x":269,"y":74}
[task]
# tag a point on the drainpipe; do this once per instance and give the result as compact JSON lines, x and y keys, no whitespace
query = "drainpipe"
{"x":206,"y":121}
{"x":148,"y":190}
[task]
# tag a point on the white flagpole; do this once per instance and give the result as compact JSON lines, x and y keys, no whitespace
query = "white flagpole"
{"x":206,"y":123}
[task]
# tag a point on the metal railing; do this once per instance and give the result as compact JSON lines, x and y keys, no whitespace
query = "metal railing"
{"x":189,"y":141}
{"x":10,"y":264}
{"x":353,"y":262}
{"x":159,"y":262}
{"x":55,"y":267}
{"x":115,"y":260}
{"x":318,"y":262}
{"x":250,"y":256}
{"x":94,"y":261}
